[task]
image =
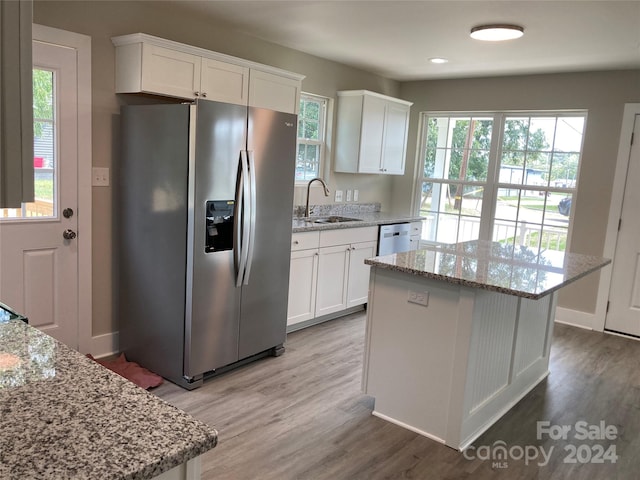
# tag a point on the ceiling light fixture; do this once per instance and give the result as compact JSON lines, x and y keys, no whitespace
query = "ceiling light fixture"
{"x":496,"y":33}
{"x":438,"y":60}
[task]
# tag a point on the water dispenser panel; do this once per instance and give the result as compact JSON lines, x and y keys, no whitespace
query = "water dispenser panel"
{"x":219,"y":231}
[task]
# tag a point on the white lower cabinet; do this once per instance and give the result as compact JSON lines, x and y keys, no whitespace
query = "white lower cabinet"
{"x":358,"y":282}
{"x":332,"y":277}
{"x":302,"y":286}
{"x":415,"y":235}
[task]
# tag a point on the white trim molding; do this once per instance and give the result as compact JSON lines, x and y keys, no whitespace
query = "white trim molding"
{"x":82,"y":45}
{"x":575,"y":318}
{"x":615,"y":211}
{"x":105,"y":345}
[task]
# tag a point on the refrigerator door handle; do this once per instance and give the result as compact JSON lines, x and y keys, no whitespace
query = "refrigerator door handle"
{"x":252,"y":215}
{"x":244,"y":217}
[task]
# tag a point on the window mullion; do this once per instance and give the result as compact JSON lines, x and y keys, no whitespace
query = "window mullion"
{"x":491,"y":188}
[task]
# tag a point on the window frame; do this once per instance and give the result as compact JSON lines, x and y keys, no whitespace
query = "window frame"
{"x":322,"y":133}
{"x":493,"y":184}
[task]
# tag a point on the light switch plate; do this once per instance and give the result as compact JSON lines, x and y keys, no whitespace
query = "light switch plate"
{"x":338,"y":195}
{"x":100,"y":176}
{"x":348,"y":195}
{"x":355,"y":195}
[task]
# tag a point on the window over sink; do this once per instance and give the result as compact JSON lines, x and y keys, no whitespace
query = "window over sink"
{"x":501,"y":176}
{"x":312,"y":121}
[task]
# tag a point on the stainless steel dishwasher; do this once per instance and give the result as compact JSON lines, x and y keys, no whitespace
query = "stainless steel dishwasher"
{"x":394,"y":238}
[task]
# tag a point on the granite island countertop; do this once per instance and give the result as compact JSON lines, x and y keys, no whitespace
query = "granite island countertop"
{"x":513,"y":270}
{"x":64,"y":416}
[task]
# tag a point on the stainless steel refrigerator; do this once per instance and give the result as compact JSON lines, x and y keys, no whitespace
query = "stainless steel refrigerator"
{"x":203,"y":226}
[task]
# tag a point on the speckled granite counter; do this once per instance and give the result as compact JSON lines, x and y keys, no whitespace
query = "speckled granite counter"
{"x":63,"y":416}
{"x":493,"y":266}
{"x":366,"y":219}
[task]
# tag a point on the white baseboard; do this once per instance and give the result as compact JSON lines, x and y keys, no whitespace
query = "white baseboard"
{"x":575,"y":318}
{"x":105,"y":345}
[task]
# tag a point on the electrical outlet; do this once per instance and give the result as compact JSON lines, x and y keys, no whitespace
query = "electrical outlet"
{"x":338,"y":195}
{"x":348,"y":195}
{"x":100,"y":177}
{"x":420,"y":298}
{"x":355,"y":195}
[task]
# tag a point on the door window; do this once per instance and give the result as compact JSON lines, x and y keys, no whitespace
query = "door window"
{"x":45,"y":152}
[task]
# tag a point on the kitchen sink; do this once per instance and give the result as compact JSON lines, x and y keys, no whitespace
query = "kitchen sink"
{"x":332,"y":219}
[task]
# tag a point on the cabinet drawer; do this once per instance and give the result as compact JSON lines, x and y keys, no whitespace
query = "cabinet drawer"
{"x":344,"y":236}
{"x":305,"y":240}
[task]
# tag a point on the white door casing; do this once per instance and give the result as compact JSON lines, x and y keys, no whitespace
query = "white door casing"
{"x":597,"y":321}
{"x":623,"y":313}
{"x":43,"y":275}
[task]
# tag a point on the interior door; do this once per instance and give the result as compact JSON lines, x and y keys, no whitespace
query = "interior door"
{"x":624,"y":295}
{"x":39,"y":250}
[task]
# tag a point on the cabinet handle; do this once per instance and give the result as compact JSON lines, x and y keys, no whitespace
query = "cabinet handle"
{"x":295,"y":242}
{"x":197,"y":94}
{"x":204,"y":94}
{"x":316,"y":254}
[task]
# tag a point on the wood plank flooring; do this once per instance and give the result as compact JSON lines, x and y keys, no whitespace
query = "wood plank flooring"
{"x":302,"y":416}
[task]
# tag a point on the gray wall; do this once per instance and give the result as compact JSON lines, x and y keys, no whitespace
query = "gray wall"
{"x":603,"y":94}
{"x":103,"y":20}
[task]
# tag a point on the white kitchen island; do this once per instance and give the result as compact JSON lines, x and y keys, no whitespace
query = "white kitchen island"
{"x":458,"y":334}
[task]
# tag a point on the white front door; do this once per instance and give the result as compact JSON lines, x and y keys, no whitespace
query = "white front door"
{"x":624,"y":295}
{"x":38,"y":244}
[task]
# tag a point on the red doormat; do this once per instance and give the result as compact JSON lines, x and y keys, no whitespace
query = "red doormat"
{"x":131,"y":371}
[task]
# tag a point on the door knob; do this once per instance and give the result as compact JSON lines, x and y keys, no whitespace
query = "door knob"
{"x":69,"y":234}
{"x":67,"y":213}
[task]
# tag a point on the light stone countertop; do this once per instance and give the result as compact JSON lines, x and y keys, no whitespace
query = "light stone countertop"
{"x":493,"y":266}
{"x":361,"y":219}
{"x":64,"y":416}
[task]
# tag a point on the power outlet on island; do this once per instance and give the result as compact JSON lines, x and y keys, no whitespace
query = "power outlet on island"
{"x":419,"y":298}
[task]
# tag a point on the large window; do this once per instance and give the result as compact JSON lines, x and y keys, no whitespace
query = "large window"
{"x":506,"y":177}
{"x":311,"y":137}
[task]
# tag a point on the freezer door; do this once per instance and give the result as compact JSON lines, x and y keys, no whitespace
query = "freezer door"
{"x":150,"y":224}
{"x":213,"y":300}
{"x":271,"y":146}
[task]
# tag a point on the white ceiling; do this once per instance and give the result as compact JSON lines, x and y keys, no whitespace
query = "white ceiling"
{"x":395,"y":38}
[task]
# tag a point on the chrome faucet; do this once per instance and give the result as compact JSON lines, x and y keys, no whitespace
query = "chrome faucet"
{"x":326,"y":193}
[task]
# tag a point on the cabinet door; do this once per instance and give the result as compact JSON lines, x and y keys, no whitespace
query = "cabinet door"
{"x":302,"y":286}
{"x":373,"y":111}
{"x":333,"y":263}
{"x":224,"y":82}
{"x":274,"y":92}
{"x":169,"y":72}
{"x":394,"y":148}
{"x":358,"y":281}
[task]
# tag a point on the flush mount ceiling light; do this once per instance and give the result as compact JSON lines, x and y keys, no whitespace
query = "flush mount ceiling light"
{"x":438,"y":60}
{"x":496,"y":33}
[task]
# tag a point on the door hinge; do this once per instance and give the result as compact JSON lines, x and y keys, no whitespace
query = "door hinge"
{"x":619,"y":224}
{"x":608,"y":302}
{"x":632,"y":135}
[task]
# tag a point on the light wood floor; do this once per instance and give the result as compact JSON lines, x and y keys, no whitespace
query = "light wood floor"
{"x":302,"y":415}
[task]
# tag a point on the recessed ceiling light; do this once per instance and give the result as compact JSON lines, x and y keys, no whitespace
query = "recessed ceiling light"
{"x":438,"y":60}
{"x":496,"y":33}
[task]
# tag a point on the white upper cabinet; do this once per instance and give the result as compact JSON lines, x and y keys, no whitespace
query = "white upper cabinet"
{"x":147,"y":64}
{"x":371,"y":133}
